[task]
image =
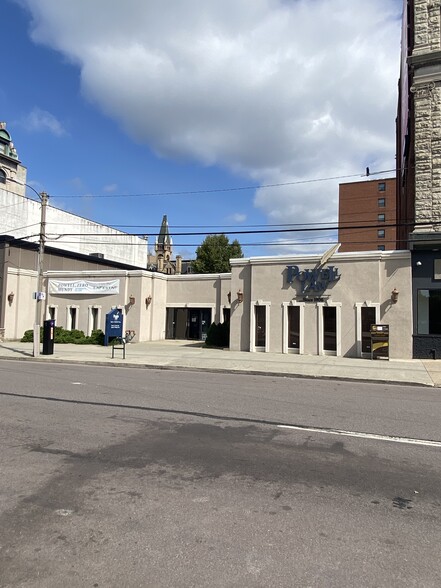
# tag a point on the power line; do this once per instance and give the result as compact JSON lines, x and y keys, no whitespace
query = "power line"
{"x":239,"y":225}
{"x":299,"y":229}
{"x":217,"y":190}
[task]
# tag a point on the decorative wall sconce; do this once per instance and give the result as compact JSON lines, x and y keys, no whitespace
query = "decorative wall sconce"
{"x":11,"y":297}
{"x":148,"y":300}
{"x":394,"y":296}
{"x":239,"y":296}
{"x":229,"y":297}
{"x":132,"y":300}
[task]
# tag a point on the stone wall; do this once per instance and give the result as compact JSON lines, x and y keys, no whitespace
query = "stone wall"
{"x":427,"y":23}
{"x":426,"y":89}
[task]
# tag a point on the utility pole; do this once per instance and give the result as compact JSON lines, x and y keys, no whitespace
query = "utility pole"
{"x":39,"y":294}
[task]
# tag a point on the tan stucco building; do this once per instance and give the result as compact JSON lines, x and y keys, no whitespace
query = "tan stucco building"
{"x":304,"y":305}
{"x":299,"y":305}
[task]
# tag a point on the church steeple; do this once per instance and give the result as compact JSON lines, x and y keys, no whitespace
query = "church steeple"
{"x":164,"y":243}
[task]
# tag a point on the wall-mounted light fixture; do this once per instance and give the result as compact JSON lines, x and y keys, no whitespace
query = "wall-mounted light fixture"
{"x":229,"y":297}
{"x":11,"y":297}
{"x":132,"y":300}
{"x":148,"y":300}
{"x":418,"y":263}
{"x":239,"y":296}
{"x":394,"y":296}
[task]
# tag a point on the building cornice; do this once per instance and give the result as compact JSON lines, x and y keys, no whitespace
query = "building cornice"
{"x":198,"y":277}
{"x":422,"y":59}
{"x":352,"y":256}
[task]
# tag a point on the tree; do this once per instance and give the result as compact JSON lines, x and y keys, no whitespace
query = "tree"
{"x":214,"y":254}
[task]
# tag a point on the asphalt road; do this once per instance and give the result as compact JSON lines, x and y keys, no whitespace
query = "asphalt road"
{"x":132,"y":477}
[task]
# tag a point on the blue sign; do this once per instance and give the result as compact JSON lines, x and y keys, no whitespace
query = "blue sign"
{"x":312,"y":280}
{"x":114,"y":325}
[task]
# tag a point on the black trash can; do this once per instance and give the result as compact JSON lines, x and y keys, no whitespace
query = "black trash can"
{"x":48,"y":337}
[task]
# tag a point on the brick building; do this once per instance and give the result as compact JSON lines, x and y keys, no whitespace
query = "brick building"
{"x":367,"y":215}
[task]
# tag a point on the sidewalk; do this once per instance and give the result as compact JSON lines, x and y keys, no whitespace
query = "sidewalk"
{"x":194,"y":356}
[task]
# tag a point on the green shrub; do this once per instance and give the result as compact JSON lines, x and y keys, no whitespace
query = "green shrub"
{"x":62,"y":336}
{"x":218,"y":335}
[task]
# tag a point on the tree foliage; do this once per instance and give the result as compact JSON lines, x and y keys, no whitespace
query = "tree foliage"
{"x":214,"y":254}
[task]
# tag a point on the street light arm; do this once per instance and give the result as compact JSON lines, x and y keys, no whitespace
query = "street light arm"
{"x":27,"y":186}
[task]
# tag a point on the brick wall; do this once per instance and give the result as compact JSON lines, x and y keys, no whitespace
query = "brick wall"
{"x":358,"y":215}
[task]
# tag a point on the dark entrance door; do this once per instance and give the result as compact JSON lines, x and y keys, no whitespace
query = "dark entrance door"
{"x":187,"y":323}
{"x":198,"y":323}
{"x":194,"y":323}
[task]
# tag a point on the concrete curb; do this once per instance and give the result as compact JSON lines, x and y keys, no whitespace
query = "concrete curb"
{"x":187,"y":368}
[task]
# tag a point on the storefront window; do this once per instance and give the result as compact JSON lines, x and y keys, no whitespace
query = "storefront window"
{"x":429,"y":312}
{"x":293,"y":327}
{"x":330,"y":328}
{"x":437,"y":269}
{"x":260,"y":313}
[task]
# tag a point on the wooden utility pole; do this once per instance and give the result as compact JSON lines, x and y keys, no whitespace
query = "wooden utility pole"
{"x":39,"y":294}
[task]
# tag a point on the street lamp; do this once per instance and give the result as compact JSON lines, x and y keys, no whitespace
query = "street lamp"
{"x":43,"y":197}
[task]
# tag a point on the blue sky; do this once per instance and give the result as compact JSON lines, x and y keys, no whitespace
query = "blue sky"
{"x":107,"y":106}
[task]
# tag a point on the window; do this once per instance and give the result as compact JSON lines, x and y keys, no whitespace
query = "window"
{"x":381,"y":202}
{"x":329,"y":328}
{"x":260,"y":331}
{"x":380,"y":233}
{"x":436,"y":269}
{"x":293,"y":327}
{"x":429,"y":312}
{"x":381,"y":218}
{"x":2,"y":177}
{"x":73,"y":318}
{"x":94,"y":319}
{"x":226,"y":315}
{"x":382,"y":186}
{"x":381,"y":248}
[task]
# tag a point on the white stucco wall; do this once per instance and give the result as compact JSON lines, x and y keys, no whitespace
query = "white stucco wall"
{"x":21,"y":218}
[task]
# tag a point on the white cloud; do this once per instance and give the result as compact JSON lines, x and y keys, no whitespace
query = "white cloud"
{"x":276,"y":90}
{"x":39,"y":120}
{"x":110,"y":188}
{"x":237,"y":217}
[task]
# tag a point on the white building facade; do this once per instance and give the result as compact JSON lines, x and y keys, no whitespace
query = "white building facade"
{"x":21,"y":218}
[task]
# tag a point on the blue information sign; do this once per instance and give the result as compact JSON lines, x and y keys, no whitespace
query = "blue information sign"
{"x":114,"y":325}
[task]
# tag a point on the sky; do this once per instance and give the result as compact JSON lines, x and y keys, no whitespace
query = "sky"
{"x":225,"y":115}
